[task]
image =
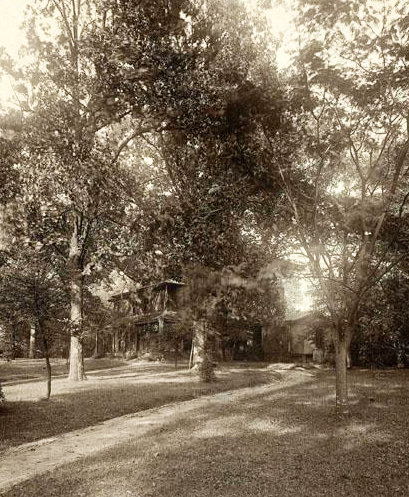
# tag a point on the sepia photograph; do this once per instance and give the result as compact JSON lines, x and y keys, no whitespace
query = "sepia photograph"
{"x":204,"y":248}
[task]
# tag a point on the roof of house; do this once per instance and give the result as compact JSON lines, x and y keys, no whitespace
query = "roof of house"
{"x":308,"y":317}
{"x":156,"y":287}
{"x":167,"y":283}
{"x":120,"y":296}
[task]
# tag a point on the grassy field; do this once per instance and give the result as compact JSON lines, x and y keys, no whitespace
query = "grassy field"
{"x":32,"y":369}
{"x":287,"y":442}
{"x":108,"y":394}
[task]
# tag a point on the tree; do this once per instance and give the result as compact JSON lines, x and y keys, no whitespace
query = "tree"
{"x":2,"y":396}
{"x":70,"y":154}
{"x":351,"y":154}
{"x":188,"y":71}
{"x":32,"y":293}
{"x":203,"y":287}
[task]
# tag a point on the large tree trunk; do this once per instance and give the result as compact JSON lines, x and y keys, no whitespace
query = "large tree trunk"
{"x":203,"y":357}
{"x":32,"y":346}
{"x":341,"y":352}
{"x":76,"y":372}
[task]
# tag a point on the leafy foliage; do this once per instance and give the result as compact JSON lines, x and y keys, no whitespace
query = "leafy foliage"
{"x":383,"y":334}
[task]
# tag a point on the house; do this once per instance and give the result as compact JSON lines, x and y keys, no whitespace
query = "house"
{"x":143,"y":316}
{"x":305,"y":336}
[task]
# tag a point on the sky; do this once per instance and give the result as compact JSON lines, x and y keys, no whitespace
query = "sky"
{"x":11,"y":18}
{"x":12,"y":15}
{"x":11,"y":37}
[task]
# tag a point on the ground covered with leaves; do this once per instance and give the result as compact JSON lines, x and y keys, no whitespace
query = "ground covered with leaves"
{"x":286,"y":441}
{"x":107,"y":394}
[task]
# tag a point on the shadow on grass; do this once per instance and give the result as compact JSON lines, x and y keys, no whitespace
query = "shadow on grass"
{"x":287,"y":442}
{"x":31,"y":370}
{"x":76,"y":406}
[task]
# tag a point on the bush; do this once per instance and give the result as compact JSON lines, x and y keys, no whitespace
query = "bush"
{"x":380,"y":350}
{"x":2,"y":396}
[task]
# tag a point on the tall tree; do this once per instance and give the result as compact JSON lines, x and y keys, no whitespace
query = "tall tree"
{"x":351,"y":154}
{"x":189,"y":71}
{"x":70,"y":153}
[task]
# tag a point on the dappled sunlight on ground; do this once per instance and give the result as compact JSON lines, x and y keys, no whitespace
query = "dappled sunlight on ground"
{"x":217,"y":428}
{"x":139,"y":374}
{"x":128,"y":389}
{"x":273,"y":427}
{"x":34,"y":369}
{"x":283,"y":440}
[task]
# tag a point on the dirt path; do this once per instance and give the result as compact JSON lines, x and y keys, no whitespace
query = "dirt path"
{"x":25,"y":461}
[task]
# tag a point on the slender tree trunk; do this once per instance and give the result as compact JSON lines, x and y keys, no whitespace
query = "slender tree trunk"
{"x":39,"y":326}
{"x":48,"y":366}
{"x":341,"y":349}
{"x":116,"y":341}
{"x":96,"y":350}
{"x":223,"y":345}
{"x":192,"y":351}
{"x":176,"y":353}
{"x":233,"y":351}
{"x":31,"y":350}
{"x":349,"y":358}
{"x":138,"y":341}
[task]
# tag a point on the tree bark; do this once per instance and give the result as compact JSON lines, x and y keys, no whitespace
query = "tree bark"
{"x":40,"y":327}
{"x":176,"y":352}
{"x":48,"y":366}
{"x":203,"y":358}
{"x":138,"y":341}
{"x":76,"y":372}
{"x":192,"y":351}
{"x":341,"y":349}
{"x":116,"y":342}
{"x":31,"y":350}
{"x":96,"y":350}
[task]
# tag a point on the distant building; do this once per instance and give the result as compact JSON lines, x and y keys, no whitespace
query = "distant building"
{"x":143,"y":316}
{"x":305,"y":336}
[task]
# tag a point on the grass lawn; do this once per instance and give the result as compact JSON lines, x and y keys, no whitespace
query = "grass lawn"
{"x":285,"y":442}
{"x":31,"y":369}
{"x":108,"y":394}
